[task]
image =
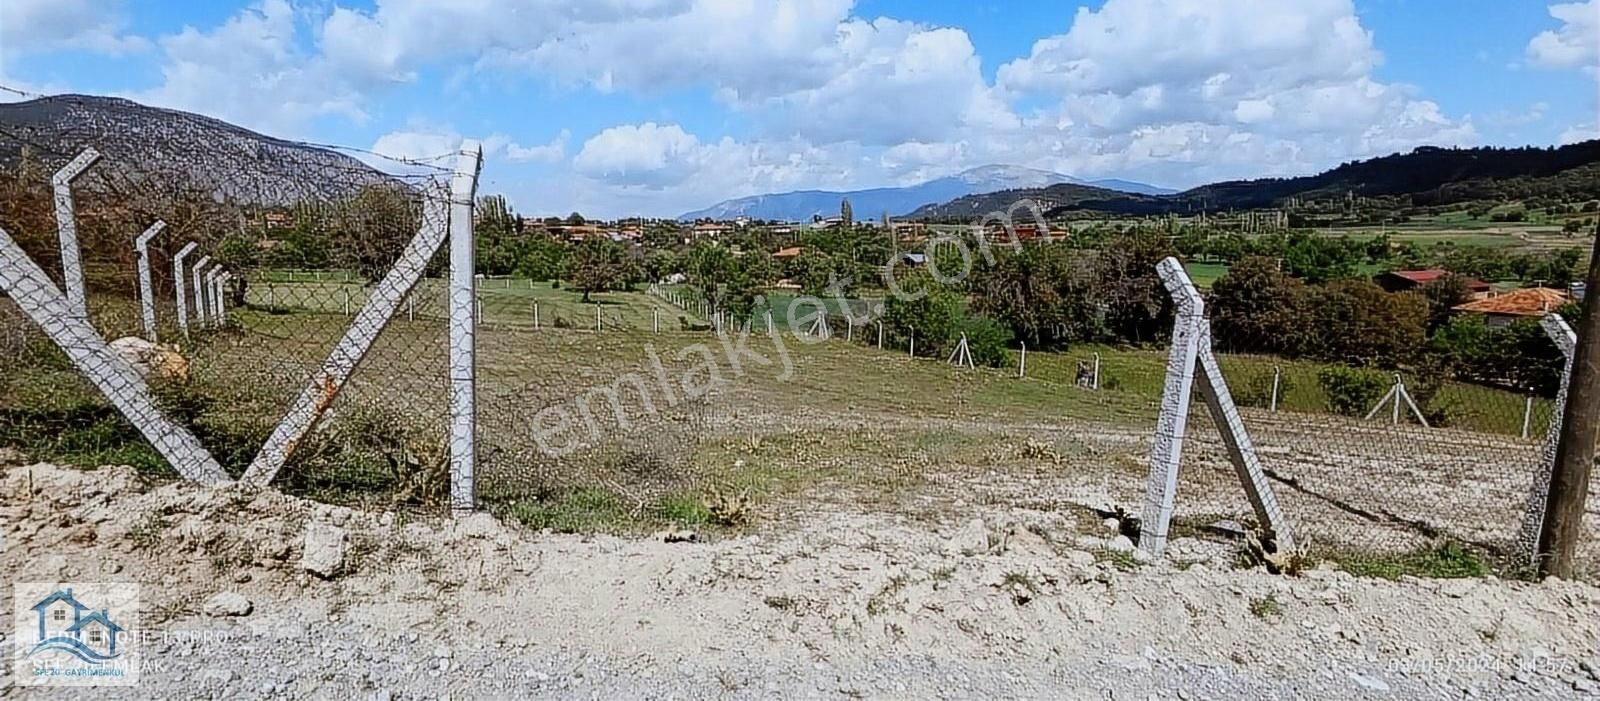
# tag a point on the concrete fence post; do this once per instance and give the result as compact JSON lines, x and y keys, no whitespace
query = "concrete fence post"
{"x":213,"y":291}
{"x":147,"y":292}
{"x":179,"y":285}
{"x":1277,"y":383}
{"x":463,"y":330}
{"x":222,"y":297}
{"x":1022,"y":367}
{"x":67,"y":231}
{"x":201,"y":310}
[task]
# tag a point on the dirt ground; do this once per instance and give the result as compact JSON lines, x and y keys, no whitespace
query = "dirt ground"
{"x":993,"y":600}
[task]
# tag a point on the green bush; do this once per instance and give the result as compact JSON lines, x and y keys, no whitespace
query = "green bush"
{"x":987,"y":339}
{"x":1353,"y":391}
{"x":1256,"y":389}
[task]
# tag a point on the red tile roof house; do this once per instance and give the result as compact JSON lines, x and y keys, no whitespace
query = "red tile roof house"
{"x":1503,"y":310}
{"x":1405,"y":280}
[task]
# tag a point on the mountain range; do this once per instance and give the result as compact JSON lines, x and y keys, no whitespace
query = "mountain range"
{"x":899,"y":201}
{"x":1424,"y":176}
{"x":170,"y":151}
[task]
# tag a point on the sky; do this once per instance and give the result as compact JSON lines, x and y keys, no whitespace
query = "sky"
{"x":656,"y":107}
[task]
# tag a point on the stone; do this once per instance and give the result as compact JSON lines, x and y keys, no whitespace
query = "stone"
{"x":324,"y":550}
{"x":227,"y":604}
{"x":972,"y":539}
{"x":1368,"y":683}
{"x":1457,"y":588}
{"x":1121,"y":544}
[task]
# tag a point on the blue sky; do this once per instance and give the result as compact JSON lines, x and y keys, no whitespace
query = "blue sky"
{"x":615,"y":107}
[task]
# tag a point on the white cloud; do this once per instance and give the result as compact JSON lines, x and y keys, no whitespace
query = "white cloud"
{"x":1182,"y":89}
{"x":249,"y":70}
{"x":647,"y":155}
{"x":1575,"y":44}
{"x":436,"y":144}
{"x":552,"y":152}
{"x":1580,"y":132}
{"x":30,"y":26}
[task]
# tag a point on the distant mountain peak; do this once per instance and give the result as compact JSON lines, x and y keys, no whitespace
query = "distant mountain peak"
{"x":897,"y":201}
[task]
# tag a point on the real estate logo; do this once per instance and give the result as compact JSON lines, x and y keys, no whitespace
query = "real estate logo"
{"x":76,"y":634}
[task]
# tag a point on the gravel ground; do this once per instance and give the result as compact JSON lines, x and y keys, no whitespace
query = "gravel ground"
{"x":249,"y":595}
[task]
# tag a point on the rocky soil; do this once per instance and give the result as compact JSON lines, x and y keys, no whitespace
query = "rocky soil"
{"x":251,"y":595}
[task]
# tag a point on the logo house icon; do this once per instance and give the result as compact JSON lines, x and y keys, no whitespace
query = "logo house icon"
{"x":63,"y":639}
{"x":66,"y":624}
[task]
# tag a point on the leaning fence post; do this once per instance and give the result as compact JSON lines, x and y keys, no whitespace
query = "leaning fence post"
{"x":1527,"y":417}
{"x":178,"y":286}
{"x":346,"y":294}
{"x":147,"y":294}
{"x":1277,"y":380}
{"x":880,"y":335}
{"x":1022,"y":367}
{"x":67,"y":231}
{"x":411,"y":306}
{"x":463,"y":344}
{"x":222,"y":297}
{"x":215,"y":281}
{"x":201,"y":313}
{"x":913,"y":341}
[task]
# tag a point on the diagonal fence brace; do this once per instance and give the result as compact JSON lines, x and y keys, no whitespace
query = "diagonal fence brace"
{"x":379,"y":309}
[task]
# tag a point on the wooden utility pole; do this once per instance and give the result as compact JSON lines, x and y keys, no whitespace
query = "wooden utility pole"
{"x":1569,"y":485}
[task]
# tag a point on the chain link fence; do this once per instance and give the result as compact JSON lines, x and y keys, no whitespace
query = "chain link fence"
{"x":232,"y":279}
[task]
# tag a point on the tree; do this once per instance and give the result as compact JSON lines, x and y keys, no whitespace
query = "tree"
{"x":846,"y":215}
{"x":1252,"y":307}
{"x":373,"y":228}
{"x":707,"y":266}
{"x":1135,"y":303}
{"x":596,"y":265}
{"x":929,"y":311}
{"x":1444,"y":295}
{"x":575,"y":219}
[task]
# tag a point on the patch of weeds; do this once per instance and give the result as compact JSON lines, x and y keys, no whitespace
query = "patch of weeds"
{"x":943,"y":574}
{"x":362,"y":547}
{"x":171,"y":611}
{"x":781,"y":603}
{"x":683,"y":510}
{"x":1445,"y":561}
{"x":727,"y":508}
{"x":585,"y":510}
{"x":884,"y":601}
{"x":227,"y":558}
{"x":1023,"y":588}
{"x":146,"y":533}
{"x":1266,"y":607}
{"x":1120,"y":559}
